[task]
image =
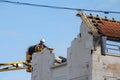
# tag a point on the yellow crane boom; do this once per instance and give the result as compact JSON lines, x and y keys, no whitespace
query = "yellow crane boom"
{"x":22,"y":65}
{"x":15,"y":66}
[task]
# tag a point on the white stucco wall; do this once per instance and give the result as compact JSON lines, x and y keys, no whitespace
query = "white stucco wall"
{"x":44,"y":68}
{"x":41,"y":62}
{"x":79,"y":56}
{"x":59,"y":72}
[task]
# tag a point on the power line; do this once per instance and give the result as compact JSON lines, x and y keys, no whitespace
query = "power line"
{"x":56,"y":7}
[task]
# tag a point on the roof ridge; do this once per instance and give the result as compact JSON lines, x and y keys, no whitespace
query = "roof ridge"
{"x":97,"y":17}
{"x":101,"y":26}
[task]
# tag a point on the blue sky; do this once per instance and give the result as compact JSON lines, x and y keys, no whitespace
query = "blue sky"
{"x":22,"y":26}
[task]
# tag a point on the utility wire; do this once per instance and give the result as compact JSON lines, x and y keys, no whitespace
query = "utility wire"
{"x":56,"y":7}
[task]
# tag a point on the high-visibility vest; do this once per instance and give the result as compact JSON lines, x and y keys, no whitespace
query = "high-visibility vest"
{"x":39,"y":48}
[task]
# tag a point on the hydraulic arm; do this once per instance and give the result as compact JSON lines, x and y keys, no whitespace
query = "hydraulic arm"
{"x":22,"y":65}
{"x":15,"y":66}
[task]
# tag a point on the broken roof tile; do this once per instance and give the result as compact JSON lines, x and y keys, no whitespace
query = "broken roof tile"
{"x":105,"y":26}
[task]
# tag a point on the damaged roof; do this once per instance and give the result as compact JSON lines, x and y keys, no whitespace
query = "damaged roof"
{"x":104,"y":26}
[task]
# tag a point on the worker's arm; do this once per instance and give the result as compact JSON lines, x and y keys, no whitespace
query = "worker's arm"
{"x":50,"y":48}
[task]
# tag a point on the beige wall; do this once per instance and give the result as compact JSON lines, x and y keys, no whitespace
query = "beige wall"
{"x":105,"y":67}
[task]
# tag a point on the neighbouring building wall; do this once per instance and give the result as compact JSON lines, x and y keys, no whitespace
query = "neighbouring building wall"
{"x":79,"y":56}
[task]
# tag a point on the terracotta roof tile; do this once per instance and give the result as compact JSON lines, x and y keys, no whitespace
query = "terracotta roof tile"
{"x":106,"y":26}
{"x":109,"y":28}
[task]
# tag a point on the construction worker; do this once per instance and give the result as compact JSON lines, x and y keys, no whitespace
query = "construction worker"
{"x":35,"y":48}
{"x":39,"y":47}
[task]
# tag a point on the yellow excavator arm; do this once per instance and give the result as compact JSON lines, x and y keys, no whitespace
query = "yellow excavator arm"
{"x":20,"y":65}
{"x":15,"y":66}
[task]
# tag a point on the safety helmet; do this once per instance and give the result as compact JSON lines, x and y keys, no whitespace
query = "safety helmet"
{"x":42,"y":40}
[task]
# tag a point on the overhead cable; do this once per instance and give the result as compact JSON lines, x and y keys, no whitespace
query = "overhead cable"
{"x":56,"y":7}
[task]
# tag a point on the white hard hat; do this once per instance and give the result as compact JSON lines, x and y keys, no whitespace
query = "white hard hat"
{"x":43,"y":40}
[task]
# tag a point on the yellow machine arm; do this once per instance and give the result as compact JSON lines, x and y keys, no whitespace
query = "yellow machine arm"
{"x":15,"y":66}
{"x":20,"y":65}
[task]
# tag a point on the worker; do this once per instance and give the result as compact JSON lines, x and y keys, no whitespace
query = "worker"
{"x":35,"y":48}
{"x":39,"y":47}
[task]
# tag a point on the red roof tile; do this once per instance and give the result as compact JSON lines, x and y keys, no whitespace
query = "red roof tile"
{"x":109,"y":28}
{"x":105,"y":26}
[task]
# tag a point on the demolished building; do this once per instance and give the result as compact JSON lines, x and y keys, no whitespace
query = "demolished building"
{"x":93,"y":55}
